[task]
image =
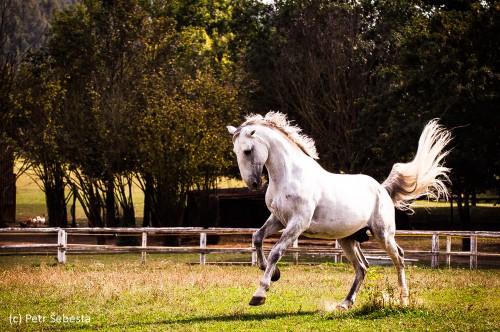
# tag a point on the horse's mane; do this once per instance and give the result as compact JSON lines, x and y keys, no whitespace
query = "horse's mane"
{"x":279,"y":121}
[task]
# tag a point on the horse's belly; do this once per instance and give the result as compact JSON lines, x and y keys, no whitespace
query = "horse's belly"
{"x":338,"y":222}
{"x":333,"y":229}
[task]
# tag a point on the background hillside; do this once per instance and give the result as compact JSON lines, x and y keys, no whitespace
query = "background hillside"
{"x":30,"y":22}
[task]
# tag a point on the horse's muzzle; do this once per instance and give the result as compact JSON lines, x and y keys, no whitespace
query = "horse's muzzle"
{"x":254,"y":183}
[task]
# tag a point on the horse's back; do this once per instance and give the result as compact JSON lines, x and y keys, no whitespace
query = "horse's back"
{"x":350,"y":189}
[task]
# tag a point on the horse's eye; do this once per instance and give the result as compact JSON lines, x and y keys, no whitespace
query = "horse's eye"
{"x":247,"y":152}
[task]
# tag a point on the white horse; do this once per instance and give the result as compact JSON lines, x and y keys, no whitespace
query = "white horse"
{"x":305,"y":199}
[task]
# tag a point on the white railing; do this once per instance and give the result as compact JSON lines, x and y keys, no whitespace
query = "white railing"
{"x":317,"y":248}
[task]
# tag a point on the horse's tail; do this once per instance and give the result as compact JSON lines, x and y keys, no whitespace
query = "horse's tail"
{"x":424,"y":175}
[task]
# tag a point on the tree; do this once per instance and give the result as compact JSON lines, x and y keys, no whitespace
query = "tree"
{"x":22,"y":27}
{"x":451,"y":70}
{"x":7,"y":69}
{"x":329,"y":63}
{"x":40,"y":98}
{"x":129,"y":67}
{"x":252,"y":21}
{"x":100,"y":48}
{"x":184,"y":143}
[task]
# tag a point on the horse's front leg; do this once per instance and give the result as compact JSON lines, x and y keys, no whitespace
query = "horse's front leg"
{"x":290,"y":234}
{"x":271,"y":226}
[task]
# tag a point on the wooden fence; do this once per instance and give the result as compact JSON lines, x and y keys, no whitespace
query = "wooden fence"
{"x":329,"y":248}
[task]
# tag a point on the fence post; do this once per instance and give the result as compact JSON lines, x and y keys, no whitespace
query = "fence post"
{"x":448,"y":251}
{"x":203,"y":245}
{"x":254,"y":254}
{"x":338,"y":256}
{"x":296,"y":254}
{"x":435,"y":251}
{"x":62,"y":243}
{"x":144,"y":245}
{"x":473,"y":252}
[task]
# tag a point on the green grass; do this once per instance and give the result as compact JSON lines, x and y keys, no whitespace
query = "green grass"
{"x":30,"y":199}
{"x":117,"y":293}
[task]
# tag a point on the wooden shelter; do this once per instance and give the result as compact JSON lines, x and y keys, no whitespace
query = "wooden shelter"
{"x":230,"y":208}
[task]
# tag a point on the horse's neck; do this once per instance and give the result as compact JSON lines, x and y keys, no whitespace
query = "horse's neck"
{"x":284,"y":160}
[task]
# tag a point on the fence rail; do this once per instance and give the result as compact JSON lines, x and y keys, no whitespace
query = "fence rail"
{"x":320,"y":248}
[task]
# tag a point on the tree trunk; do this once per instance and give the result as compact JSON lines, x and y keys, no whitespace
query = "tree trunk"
{"x":2,"y":209}
{"x":73,"y":208}
{"x":7,"y":186}
{"x":451,"y":209}
{"x":148,"y":198}
{"x":56,"y":206}
{"x":125,"y":199}
{"x":94,"y":209}
{"x":52,"y":175}
{"x":110,"y":209}
{"x":465,"y":219}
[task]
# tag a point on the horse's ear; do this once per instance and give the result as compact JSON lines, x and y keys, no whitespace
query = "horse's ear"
{"x":231,"y":129}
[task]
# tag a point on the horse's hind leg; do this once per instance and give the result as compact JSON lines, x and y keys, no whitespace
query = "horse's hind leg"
{"x":388,"y":243}
{"x":353,"y":253}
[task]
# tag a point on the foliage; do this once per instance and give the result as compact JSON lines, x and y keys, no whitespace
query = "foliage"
{"x":451,"y":70}
{"x":95,"y":50}
{"x":328,"y":65}
{"x":40,"y":99}
{"x":145,"y":93}
{"x":184,"y":141}
{"x":125,"y":91}
{"x":25,"y":22}
{"x":364,"y":77}
{"x":22,"y":28}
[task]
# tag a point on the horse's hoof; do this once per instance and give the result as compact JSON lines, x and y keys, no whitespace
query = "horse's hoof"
{"x":257,"y":300}
{"x":341,"y":307}
{"x":404,"y":301}
{"x":276,"y":275}
{"x":344,"y":305}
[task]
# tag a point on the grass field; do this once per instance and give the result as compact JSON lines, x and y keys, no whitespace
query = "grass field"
{"x":117,"y":293}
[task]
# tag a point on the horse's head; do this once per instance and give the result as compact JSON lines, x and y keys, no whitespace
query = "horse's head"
{"x":251,"y":152}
